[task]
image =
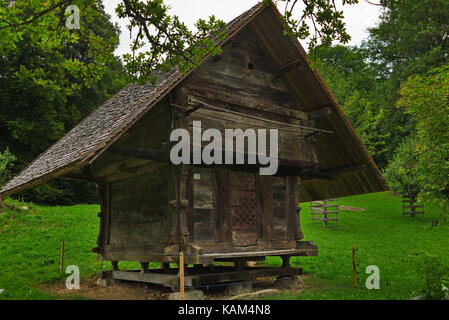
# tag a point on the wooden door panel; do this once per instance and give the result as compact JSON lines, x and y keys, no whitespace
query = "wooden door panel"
{"x":243,"y":207}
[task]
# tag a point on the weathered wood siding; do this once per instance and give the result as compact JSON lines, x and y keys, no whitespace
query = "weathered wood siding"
{"x":139,"y":210}
{"x":244,"y":79}
{"x":230,"y":208}
{"x":226,"y":208}
{"x":135,"y":191}
{"x":236,"y":209}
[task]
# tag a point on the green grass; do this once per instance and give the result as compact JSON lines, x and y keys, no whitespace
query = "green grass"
{"x":30,"y":243}
{"x":383,"y":236}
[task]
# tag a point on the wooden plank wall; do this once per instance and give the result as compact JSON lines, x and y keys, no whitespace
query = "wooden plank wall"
{"x":243,"y":79}
{"x":339,"y":150}
{"x":139,"y":210}
{"x":135,"y":191}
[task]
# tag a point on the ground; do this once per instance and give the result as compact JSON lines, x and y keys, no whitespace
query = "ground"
{"x":30,"y":248}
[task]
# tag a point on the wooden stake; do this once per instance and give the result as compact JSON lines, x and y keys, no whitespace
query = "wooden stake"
{"x":354,"y":265}
{"x":181,"y":275}
{"x":61,"y":266}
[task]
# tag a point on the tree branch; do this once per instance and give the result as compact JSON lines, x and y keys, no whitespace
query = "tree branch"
{"x":35,"y":16}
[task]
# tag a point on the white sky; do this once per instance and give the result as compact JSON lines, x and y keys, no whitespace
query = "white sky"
{"x":358,"y":17}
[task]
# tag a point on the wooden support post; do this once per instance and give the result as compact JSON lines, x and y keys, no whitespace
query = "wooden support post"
{"x":61,"y":266}
{"x":115,"y":266}
{"x":181,"y":275}
{"x":144,"y":267}
{"x":285,"y":261}
{"x":166,"y":267}
{"x":354,"y":266}
{"x":240,"y":265}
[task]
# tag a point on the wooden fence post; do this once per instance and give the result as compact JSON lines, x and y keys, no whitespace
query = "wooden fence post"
{"x":354,"y":266}
{"x":181,"y":275}
{"x":61,"y":266}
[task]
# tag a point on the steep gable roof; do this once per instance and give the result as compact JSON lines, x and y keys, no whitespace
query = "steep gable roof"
{"x":340,"y":154}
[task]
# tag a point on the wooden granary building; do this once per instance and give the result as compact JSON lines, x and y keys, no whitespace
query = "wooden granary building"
{"x":151,"y":209}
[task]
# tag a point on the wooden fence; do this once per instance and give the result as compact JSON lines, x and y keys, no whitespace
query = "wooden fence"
{"x":325,"y":210}
{"x":410,"y":207}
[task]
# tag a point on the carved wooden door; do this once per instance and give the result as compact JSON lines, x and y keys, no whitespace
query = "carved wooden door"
{"x":243,"y":206}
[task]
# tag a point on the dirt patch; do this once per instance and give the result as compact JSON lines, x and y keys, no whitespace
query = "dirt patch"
{"x":138,"y":291}
{"x":124,"y":291}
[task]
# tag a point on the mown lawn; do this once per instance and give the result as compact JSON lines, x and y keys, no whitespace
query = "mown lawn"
{"x":30,"y":243}
{"x":383,"y":236}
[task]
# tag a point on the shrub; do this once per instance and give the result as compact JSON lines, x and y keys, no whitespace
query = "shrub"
{"x":401,"y":170}
{"x":6,"y":161}
{"x":436,"y":278}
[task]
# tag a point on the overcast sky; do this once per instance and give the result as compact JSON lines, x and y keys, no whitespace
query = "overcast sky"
{"x":358,"y":17}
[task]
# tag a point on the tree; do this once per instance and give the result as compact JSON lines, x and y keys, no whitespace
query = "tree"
{"x":51,"y":78}
{"x":411,"y":38}
{"x":401,"y":170}
{"x":426,"y":99}
{"x":162,"y":41}
{"x":352,"y":81}
{"x":6,"y":163}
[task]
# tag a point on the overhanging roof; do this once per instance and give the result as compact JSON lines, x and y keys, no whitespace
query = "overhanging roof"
{"x":336,"y":152}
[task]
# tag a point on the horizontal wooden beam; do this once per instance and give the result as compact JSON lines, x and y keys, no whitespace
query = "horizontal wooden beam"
{"x":321,"y":113}
{"x":148,"y":154}
{"x":288,"y":67}
{"x":205,"y":105}
{"x":330,"y":174}
{"x":333,"y":172}
{"x":285,"y":166}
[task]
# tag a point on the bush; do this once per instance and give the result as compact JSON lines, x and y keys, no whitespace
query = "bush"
{"x":401,"y":170}
{"x":6,"y":162}
{"x":436,"y":278}
{"x":62,"y":193}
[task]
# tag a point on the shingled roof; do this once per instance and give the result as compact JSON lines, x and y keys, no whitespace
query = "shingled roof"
{"x":102,"y":126}
{"x":341,"y":155}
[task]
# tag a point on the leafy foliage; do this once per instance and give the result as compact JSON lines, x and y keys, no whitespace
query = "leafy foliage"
{"x":436,"y":278}
{"x":164,"y":41}
{"x":411,"y":38}
{"x":352,"y":80}
{"x":401,"y":171}
{"x":6,"y":161}
{"x":426,"y":99}
{"x":51,"y":78}
{"x":319,"y":20}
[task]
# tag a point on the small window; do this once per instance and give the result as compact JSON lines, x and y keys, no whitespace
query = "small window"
{"x":250,"y":66}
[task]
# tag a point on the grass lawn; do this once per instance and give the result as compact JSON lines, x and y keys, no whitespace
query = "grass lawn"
{"x":30,"y":242}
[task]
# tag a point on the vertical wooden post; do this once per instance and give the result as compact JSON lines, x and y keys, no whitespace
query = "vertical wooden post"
{"x":61,"y":266}
{"x":181,"y":275}
{"x":354,"y":265}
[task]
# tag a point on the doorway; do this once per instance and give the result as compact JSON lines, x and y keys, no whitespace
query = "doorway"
{"x":243,"y":207}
